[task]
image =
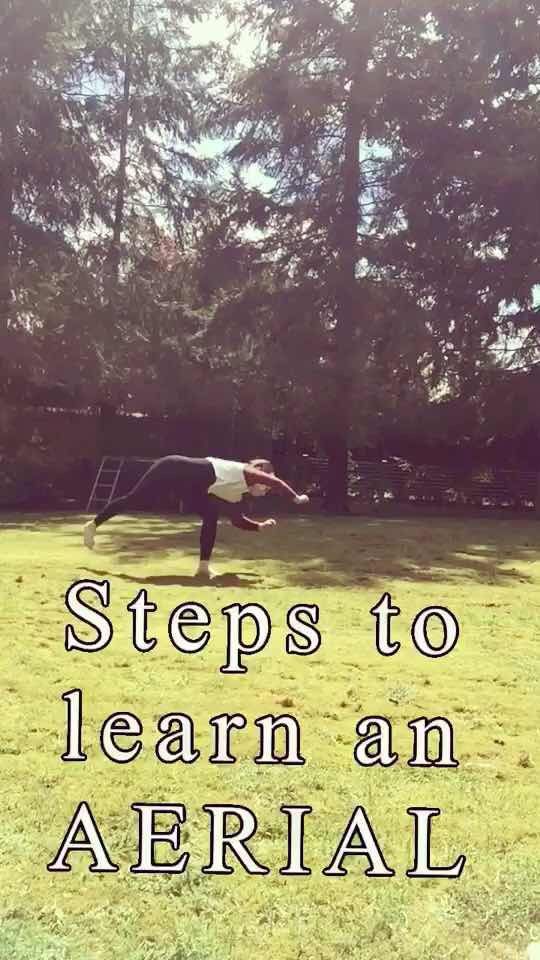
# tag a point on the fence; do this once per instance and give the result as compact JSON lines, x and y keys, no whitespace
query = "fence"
{"x":50,"y":457}
{"x":396,"y":481}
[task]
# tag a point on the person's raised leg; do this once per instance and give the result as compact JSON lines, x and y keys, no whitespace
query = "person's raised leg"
{"x":122,"y":504}
{"x":115,"y":507}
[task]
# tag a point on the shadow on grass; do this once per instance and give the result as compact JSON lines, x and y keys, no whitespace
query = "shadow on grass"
{"x":328,"y":551}
{"x":436,"y":549}
{"x":353,"y":551}
{"x":223,"y":580}
{"x":34,"y":521}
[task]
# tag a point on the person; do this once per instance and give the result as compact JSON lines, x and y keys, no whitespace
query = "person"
{"x":210,"y":486}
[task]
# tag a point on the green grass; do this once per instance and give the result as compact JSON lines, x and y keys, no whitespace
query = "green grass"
{"x":487,"y":571}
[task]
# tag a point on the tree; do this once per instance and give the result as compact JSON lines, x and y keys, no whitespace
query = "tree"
{"x":302,"y":112}
{"x":106,"y":99}
{"x":47,"y":169}
{"x":461,"y":123}
{"x":442,"y":101}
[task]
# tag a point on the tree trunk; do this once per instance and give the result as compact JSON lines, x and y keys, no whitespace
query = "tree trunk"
{"x":121,"y":175}
{"x":336,"y":499}
{"x":6,"y":220}
{"x":106,"y":430}
{"x":336,"y":486}
{"x":7,"y":154}
{"x":8,"y":141}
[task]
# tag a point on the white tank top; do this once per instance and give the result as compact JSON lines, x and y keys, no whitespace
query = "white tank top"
{"x":230,"y":481}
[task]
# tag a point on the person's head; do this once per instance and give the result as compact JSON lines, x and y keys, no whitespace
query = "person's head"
{"x":259,"y":489}
{"x":263,"y":465}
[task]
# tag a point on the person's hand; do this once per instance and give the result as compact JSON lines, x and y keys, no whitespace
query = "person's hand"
{"x":301,"y":499}
{"x":267,"y":524}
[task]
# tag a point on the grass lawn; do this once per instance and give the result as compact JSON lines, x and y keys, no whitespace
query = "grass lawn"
{"x":487,"y":571}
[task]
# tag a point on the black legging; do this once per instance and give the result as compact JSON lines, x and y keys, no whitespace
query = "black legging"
{"x":191,"y":478}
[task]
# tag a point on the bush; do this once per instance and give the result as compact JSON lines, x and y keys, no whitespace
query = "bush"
{"x":27,"y":481}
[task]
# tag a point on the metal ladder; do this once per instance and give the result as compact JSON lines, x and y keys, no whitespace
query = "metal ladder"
{"x":105,"y":483}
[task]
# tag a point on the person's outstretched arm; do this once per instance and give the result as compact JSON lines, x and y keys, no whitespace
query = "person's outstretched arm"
{"x":209,"y":510}
{"x":255,"y":476}
{"x":239,"y":520}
